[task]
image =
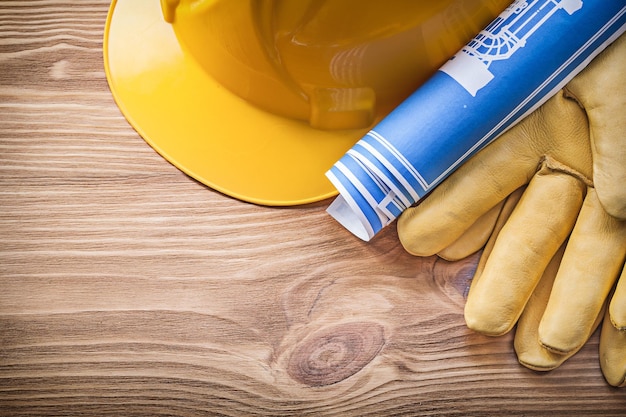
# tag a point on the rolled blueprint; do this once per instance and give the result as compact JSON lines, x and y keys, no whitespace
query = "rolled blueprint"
{"x":509,"y":69}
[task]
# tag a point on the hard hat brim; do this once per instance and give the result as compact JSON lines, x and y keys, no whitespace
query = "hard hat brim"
{"x":203,"y":129}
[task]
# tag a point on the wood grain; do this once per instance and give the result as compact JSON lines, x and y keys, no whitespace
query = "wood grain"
{"x":128,"y":289}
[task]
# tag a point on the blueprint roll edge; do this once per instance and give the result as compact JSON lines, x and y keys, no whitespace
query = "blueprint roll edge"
{"x":509,"y":69}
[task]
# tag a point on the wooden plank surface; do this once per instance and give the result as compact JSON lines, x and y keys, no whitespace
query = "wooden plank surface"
{"x":127,"y":288}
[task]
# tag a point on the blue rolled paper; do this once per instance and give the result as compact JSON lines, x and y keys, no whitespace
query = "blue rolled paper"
{"x":505,"y":72}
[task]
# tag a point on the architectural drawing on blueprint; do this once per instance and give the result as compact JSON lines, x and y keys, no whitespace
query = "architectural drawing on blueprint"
{"x":501,"y":39}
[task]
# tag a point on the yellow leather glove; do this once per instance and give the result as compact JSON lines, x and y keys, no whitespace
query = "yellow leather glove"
{"x":550,"y":154}
{"x":596,"y":229}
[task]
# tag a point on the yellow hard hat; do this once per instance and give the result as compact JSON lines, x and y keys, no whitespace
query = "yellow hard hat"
{"x":258,"y":98}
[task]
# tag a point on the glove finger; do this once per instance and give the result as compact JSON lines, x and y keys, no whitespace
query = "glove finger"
{"x":474,"y":238}
{"x":601,"y":91}
{"x":483,"y":233}
{"x":591,"y":264}
{"x":613,"y":353}
{"x":530,"y":352}
{"x":506,"y":211}
{"x":617,"y":308}
{"x":524,"y":247}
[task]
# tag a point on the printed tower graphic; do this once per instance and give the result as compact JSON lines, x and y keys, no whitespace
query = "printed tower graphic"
{"x":501,"y":39}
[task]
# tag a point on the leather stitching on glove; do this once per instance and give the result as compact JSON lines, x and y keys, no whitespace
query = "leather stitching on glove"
{"x":554,"y":165}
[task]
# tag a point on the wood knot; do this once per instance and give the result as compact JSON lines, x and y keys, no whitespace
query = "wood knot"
{"x":335,"y":353}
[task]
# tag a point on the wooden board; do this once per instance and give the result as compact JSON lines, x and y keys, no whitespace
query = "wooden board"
{"x":127,"y":288}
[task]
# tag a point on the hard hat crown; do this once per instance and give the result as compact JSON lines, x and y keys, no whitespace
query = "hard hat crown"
{"x":335,"y":64}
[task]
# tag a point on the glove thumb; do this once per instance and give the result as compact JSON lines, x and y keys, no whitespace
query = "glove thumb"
{"x":601,"y":90}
